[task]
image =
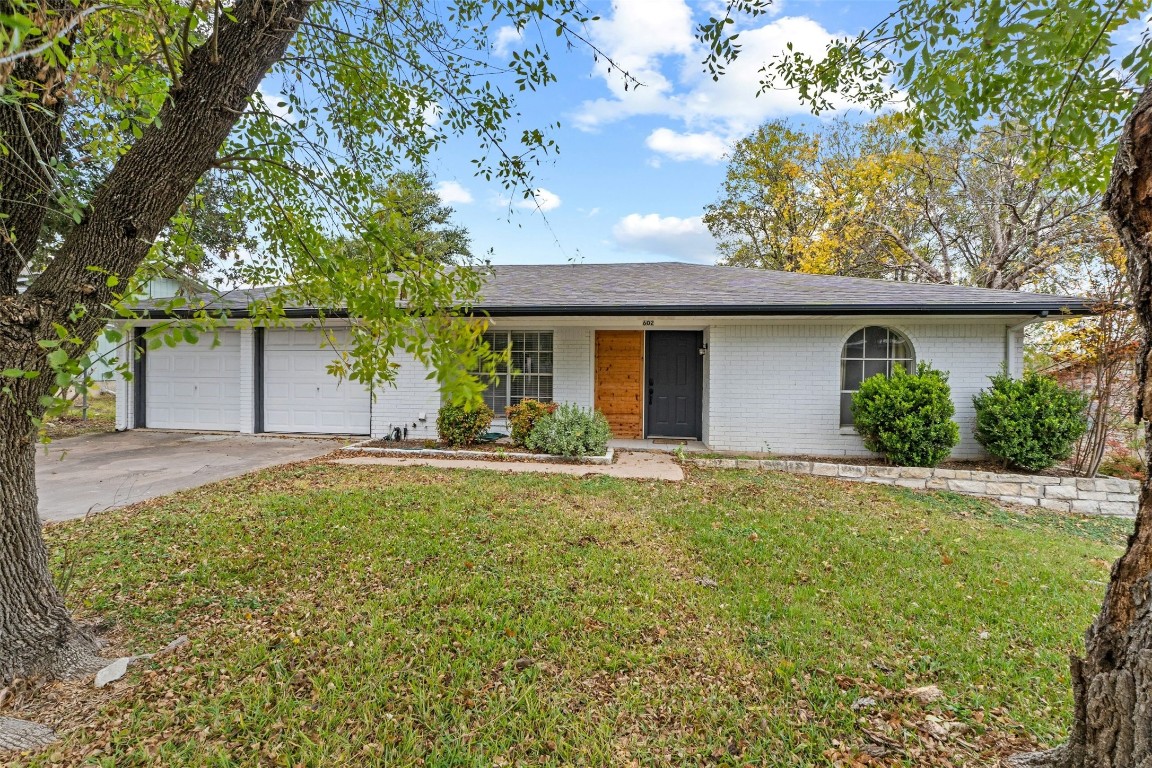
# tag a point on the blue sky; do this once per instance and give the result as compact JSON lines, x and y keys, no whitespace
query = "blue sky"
{"x":636,"y":168}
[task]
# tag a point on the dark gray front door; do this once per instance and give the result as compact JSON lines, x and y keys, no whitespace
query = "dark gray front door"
{"x":675,"y":374}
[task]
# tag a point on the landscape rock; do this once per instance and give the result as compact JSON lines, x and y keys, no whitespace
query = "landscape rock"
{"x":113,"y":671}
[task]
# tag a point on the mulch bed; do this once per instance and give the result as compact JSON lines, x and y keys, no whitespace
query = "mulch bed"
{"x":500,"y":450}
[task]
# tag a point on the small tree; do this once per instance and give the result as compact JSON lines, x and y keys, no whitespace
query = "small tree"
{"x":1031,"y":422}
{"x":907,"y":417}
{"x":1097,"y":355}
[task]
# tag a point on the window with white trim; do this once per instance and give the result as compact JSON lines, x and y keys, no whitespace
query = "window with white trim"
{"x":531,"y":375}
{"x":868,"y":352}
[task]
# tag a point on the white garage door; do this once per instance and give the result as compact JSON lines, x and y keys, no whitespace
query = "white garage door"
{"x":194,"y":386}
{"x":299,"y":393}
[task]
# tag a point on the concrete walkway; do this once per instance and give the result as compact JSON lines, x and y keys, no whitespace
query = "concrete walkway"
{"x":633,"y":465}
{"x":98,"y":472}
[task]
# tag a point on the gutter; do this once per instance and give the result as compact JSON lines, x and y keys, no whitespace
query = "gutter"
{"x":1035,"y":313}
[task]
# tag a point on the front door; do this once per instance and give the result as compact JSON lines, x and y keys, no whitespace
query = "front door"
{"x":675,"y":375}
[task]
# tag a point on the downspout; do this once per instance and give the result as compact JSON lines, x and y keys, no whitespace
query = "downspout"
{"x":1009,"y":334}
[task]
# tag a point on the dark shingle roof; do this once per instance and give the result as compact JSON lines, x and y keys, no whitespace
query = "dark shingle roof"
{"x":696,"y":289}
{"x":691,"y":289}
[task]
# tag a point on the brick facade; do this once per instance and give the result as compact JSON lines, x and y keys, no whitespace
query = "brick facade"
{"x":776,"y":388}
{"x":769,"y":384}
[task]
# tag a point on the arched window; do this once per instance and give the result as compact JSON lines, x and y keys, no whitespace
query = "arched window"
{"x":867,"y":352}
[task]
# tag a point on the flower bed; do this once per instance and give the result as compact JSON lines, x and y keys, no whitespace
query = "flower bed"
{"x":484,"y":452}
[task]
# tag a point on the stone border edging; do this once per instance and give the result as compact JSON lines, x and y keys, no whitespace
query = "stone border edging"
{"x":1084,"y":495}
{"x":362,"y":447}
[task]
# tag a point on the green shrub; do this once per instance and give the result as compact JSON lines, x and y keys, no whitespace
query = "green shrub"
{"x":1031,"y":422}
{"x":570,"y":431}
{"x":522,"y":417}
{"x":907,"y":417}
{"x":459,"y":426}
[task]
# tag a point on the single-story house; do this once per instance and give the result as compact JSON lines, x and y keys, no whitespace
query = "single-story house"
{"x":739,"y":359}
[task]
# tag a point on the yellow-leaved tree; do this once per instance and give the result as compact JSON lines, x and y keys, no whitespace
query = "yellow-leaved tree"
{"x":864,"y":200}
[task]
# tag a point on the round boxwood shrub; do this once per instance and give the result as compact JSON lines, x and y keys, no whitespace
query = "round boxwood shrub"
{"x":907,"y":417}
{"x":1029,"y":423}
{"x":522,"y":417}
{"x":459,"y":426}
{"x":571,"y":431}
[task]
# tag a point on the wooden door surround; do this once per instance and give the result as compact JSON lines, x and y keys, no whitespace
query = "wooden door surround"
{"x":620,"y":381}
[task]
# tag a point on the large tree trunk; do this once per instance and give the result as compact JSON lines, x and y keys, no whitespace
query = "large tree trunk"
{"x":1112,"y":683}
{"x":37,"y":635}
{"x":139,"y":197}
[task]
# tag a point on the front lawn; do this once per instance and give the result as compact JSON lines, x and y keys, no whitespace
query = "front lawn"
{"x":382,"y":616}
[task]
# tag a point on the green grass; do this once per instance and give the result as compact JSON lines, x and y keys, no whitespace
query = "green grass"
{"x":349,"y":615}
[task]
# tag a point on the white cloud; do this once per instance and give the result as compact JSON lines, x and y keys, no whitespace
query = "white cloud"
{"x":706,"y":146}
{"x":659,"y":49}
{"x":273,"y":102}
{"x":671,"y":236}
{"x":431,"y":115}
{"x":505,"y":40}
{"x":453,"y":193}
{"x":541,"y":199}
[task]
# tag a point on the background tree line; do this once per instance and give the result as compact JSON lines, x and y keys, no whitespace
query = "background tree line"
{"x":865,"y":199}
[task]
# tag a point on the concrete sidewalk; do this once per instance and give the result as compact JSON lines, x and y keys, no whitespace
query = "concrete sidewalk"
{"x":101,"y":471}
{"x":633,"y":465}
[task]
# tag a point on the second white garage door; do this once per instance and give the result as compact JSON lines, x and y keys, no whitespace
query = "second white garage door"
{"x":299,"y":393}
{"x":194,"y":386}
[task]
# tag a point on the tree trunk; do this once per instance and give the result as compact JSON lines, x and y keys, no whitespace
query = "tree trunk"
{"x":1112,"y":683}
{"x":37,"y":636}
{"x":136,"y":200}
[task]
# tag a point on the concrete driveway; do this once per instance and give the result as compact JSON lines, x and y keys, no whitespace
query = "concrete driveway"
{"x":98,"y":472}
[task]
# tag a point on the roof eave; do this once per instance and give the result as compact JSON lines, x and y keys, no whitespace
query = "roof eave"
{"x":1051,"y":312}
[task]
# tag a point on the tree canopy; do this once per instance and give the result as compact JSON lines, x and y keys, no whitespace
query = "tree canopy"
{"x":1070,"y":69}
{"x":863,"y":199}
{"x":419,"y":220}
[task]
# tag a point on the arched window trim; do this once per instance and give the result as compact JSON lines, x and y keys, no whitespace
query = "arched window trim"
{"x":860,"y":358}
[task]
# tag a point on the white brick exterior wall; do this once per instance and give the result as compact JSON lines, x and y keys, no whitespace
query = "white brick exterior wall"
{"x":769,"y":385}
{"x":401,"y":404}
{"x":776,"y":387}
{"x":125,"y":393}
{"x":573,"y":366}
{"x":413,"y":393}
{"x":706,"y":390}
{"x":1014,"y":345}
{"x":247,"y":380}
